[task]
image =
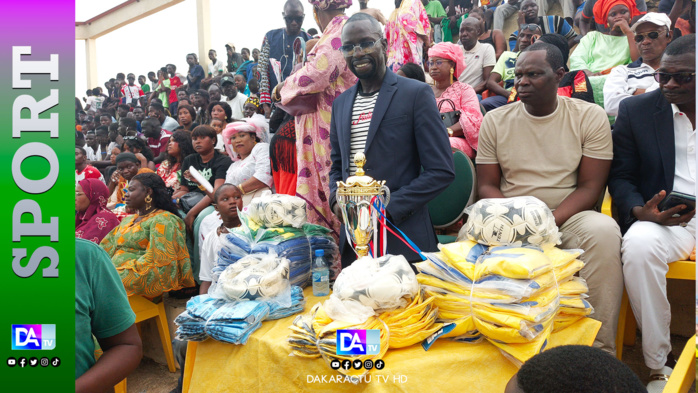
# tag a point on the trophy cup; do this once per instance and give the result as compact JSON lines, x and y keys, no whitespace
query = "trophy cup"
{"x":354,"y":198}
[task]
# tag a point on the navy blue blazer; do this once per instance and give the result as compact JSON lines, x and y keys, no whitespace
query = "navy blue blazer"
{"x":643,"y":153}
{"x":406,"y":135}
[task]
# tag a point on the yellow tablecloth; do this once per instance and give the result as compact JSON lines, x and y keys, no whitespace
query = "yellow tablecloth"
{"x":264,"y":364}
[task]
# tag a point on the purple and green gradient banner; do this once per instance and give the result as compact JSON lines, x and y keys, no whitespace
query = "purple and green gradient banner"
{"x":37,"y":177}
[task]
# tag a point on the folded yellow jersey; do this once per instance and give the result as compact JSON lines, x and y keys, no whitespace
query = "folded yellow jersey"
{"x":463,"y":255}
{"x":559,"y":257}
{"x":575,"y":286}
{"x":520,"y":353}
{"x":512,"y":262}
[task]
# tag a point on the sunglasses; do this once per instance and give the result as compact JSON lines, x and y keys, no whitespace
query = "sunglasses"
{"x":653,"y":35}
{"x":530,"y":26}
{"x":681,"y":78}
{"x":437,"y":63}
{"x":298,"y":19}
{"x":365,"y":47}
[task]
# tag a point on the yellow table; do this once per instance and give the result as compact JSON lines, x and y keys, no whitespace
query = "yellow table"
{"x":264,"y":364}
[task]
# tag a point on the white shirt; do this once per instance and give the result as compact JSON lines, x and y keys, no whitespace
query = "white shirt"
{"x":481,"y":56}
{"x":92,"y":155}
{"x":237,"y":104}
{"x":213,"y":68}
{"x":256,"y":165}
{"x":209,"y":253}
{"x":169,"y":124}
{"x":622,"y":83}
{"x":685,"y":146}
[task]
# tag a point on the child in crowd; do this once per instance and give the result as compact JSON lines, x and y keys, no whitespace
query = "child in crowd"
{"x":227,"y":202}
{"x":219,"y":125}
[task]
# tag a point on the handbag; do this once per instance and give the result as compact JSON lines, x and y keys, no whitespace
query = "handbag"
{"x":189,"y":200}
{"x":449,"y":118}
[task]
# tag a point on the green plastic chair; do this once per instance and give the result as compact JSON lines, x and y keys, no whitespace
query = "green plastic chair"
{"x":449,"y":207}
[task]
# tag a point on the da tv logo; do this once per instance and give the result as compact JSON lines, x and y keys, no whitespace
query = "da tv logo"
{"x":358,"y":342}
{"x":42,"y":337}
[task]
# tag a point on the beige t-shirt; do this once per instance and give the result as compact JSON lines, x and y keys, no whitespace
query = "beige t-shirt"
{"x":540,"y":156}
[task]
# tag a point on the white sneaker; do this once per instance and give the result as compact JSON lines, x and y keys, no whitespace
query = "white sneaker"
{"x":659,"y":379}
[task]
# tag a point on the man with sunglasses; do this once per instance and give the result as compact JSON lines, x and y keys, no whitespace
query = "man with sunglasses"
{"x":652,"y":35}
{"x":395,"y":123}
{"x":654,"y":142}
{"x":278,"y":45}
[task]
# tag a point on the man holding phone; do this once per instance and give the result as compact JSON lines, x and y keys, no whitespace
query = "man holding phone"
{"x":654,"y":142}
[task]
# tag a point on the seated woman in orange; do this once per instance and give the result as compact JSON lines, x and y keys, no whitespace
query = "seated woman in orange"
{"x":148,"y":248}
{"x":445,"y":65}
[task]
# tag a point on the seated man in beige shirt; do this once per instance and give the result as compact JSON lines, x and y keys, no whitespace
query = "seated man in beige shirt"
{"x":559,"y":150}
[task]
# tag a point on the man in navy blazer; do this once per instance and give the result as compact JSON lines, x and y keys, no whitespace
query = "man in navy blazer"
{"x":395,"y":122}
{"x":654,"y":153}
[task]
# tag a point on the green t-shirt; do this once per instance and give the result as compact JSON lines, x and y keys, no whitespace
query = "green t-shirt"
{"x":435,"y":9}
{"x":145,"y":87}
{"x":164,"y":97}
{"x":505,"y":67}
{"x":101,"y":305}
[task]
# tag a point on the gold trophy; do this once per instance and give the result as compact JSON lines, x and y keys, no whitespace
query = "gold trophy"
{"x":354,"y":198}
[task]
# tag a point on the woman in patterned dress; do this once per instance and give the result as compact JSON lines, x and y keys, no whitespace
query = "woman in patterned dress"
{"x":148,"y":248}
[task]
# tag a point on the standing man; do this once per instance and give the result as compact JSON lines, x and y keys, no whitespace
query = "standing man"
{"x":234,"y":98}
{"x":479,"y":58}
{"x":395,"y":123}
{"x":215,"y":67}
{"x":175,"y":83}
{"x":559,"y":150}
{"x":652,"y":35}
{"x":278,"y":45}
{"x":130,"y":91}
{"x":196,"y":72}
{"x":504,"y":11}
{"x":654,"y":141}
{"x":145,"y":87}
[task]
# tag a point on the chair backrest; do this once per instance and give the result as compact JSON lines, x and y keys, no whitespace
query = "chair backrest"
{"x":448,"y":207}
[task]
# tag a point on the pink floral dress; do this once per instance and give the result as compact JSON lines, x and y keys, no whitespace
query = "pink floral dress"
{"x":327,"y":75}
{"x":465,"y":100}
{"x":404,"y":46}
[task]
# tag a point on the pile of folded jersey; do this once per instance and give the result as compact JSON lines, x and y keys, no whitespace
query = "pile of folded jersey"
{"x":298,"y":245}
{"x":231,"y":322}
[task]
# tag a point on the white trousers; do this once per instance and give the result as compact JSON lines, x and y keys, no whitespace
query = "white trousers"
{"x":647,"y":250}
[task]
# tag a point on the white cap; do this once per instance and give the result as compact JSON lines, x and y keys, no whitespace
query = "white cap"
{"x":656,"y":18}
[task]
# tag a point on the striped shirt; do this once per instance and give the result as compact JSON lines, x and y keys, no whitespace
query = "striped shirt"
{"x":361,"y":115}
{"x":548,"y":24}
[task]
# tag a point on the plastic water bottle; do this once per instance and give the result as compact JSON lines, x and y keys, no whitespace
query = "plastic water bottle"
{"x":321,"y":275}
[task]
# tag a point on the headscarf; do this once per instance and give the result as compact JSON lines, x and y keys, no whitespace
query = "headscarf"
{"x":324,"y":5}
{"x":453,"y":52}
{"x":253,"y":100}
{"x":97,"y":221}
{"x":254,"y":124}
{"x":602,"y":7}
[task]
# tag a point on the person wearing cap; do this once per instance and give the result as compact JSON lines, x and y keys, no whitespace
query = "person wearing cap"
{"x":652,"y":35}
{"x":234,"y":98}
{"x":196,"y":72}
{"x":234,"y":59}
{"x":215,"y":67}
{"x":654,"y":141}
{"x":278,"y":45}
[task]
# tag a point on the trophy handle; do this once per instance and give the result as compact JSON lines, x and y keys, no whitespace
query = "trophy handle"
{"x":385,"y":191}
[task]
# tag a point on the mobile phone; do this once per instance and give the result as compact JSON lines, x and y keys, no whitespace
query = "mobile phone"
{"x":676,"y":198}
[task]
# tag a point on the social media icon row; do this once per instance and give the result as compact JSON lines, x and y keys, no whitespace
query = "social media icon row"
{"x":357,"y":364}
{"x":33,"y":362}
